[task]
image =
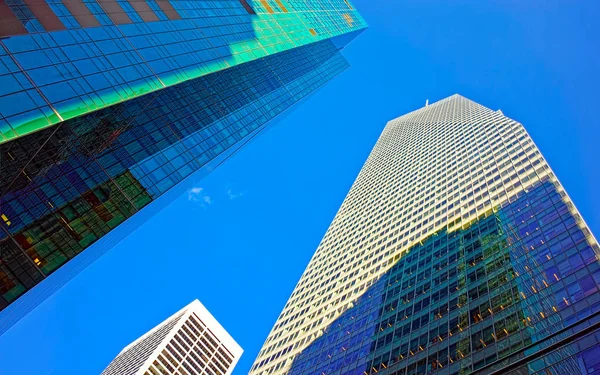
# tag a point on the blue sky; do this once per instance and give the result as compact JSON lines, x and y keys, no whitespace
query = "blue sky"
{"x":242,"y":249}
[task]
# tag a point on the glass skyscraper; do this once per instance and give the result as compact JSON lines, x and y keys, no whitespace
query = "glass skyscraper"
{"x":107,"y":105}
{"x":456,"y":251}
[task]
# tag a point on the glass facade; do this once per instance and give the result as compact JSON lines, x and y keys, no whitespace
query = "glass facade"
{"x":508,"y":281}
{"x":61,"y":59}
{"x":167,"y":105}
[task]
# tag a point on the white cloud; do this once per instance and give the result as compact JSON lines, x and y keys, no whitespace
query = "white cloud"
{"x":197,"y":194}
{"x":233,"y":195}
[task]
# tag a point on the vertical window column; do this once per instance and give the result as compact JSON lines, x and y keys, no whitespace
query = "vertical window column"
{"x":115,"y":12}
{"x":81,"y":12}
{"x":9,"y":23}
{"x":44,"y":14}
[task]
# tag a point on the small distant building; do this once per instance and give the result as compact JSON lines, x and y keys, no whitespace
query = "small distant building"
{"x":190,"y":342}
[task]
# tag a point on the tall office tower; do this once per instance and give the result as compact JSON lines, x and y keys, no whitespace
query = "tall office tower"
{"x":106,"y":105}
{"x":190,"y":342}
{"x":456,"y":251}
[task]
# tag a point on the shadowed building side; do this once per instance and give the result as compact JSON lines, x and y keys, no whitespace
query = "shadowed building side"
{"x":91,"y":174}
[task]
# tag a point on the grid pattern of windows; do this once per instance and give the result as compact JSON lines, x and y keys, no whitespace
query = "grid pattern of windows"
{"x":455,"y":251}
{"x":78,"y":56}
{"x":129,"y":361}
{"x":193,"y":350}
{"x":190,"y":343}
{"x":65,"y":187}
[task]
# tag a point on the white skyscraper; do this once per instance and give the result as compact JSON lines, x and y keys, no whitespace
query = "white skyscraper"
{"x":455,"y":251}
{"x":190,"y":342}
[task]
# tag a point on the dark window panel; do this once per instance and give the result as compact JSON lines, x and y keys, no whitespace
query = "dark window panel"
{"x":168,"y":9}
{"x":143,"y":9}
{"x":247,"y":7}
{"x":81,"y":12}
{"x":44,"y":14}
{"x":9,"y":23}
{"x":115,"y":12}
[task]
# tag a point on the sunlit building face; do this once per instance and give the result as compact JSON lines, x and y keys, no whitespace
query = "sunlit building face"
{"x":190,"y":342}
{"x":456,"y":251}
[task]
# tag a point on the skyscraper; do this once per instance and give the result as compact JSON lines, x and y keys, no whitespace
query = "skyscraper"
{"x":107,"y":105}
{"x":190,"y":342}
{"x":456,"y":251}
